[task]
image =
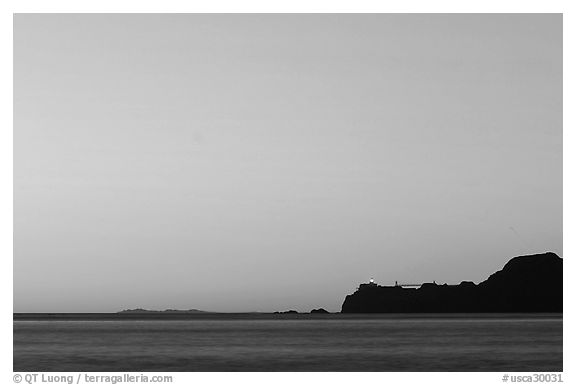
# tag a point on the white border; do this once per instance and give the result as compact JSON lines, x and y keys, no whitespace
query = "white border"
{"x":311,"y":6}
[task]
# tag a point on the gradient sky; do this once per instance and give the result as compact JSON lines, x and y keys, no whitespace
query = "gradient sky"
{"x":274,"y":162}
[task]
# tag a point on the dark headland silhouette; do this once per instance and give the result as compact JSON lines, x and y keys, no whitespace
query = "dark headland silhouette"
{"x":530,"y":283}
{"x":526,"y":284}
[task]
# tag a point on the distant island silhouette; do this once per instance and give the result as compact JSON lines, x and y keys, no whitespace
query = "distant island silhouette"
{"x":169,"y":311}
{"x":530,"y":283}
{"x":313,"y":311}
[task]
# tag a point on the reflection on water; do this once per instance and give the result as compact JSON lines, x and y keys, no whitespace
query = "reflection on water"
{"x":372,"y":344}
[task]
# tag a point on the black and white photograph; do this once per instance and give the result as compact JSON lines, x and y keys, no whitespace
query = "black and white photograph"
{"x":288,"y":192}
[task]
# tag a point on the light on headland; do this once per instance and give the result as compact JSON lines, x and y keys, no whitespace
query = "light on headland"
{"x":371,"y":280}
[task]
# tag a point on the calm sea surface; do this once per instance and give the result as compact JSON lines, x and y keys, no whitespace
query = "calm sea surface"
{"x":375,"y":343}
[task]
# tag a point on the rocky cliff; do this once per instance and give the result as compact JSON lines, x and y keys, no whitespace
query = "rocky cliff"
{"x":531,"y":283}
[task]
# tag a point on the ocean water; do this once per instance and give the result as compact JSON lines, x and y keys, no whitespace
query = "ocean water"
{"x":372,"y":343}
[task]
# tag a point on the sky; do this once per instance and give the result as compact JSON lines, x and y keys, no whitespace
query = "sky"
{"x":273,"y":162}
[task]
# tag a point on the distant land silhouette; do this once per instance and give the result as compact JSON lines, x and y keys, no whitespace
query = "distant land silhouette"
{"x":313,"y":311}
{"x":286,"y":312}
{"x":530,"y":283}
{"x":526,"y":284}
{"x":137,"y":311}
